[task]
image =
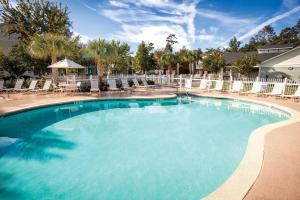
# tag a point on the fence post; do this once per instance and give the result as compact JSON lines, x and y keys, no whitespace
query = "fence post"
{"x":285,"y":84}
{"x":230,"y":83}
{"x":257,"y":79}
{"x":209,"y":82}
{"x":180,"y":81}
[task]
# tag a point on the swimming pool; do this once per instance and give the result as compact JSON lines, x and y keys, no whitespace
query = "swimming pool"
{"x":181,"y":148}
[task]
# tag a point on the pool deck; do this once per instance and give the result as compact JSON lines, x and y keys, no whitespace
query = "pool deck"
{"x":279,"y":177}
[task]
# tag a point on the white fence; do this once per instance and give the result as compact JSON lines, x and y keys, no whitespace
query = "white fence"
{"x":178,"y":81}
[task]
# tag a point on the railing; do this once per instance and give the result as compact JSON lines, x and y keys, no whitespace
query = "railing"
{"x":178,"y":81}
{"x":290,"y":86}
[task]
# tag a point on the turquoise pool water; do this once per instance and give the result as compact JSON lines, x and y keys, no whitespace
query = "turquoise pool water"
{"x":182,"y":148}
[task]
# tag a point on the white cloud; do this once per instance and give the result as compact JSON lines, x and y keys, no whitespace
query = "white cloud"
{"x":118,"y":4}
{"x":223,"y":17}
{"x":213,"y":29}
{"x":87,"y":6}
{"x":144,"y":20}
{"x":268,"y":22}
{"x":83,"y":38}
{"x":156,"y":34}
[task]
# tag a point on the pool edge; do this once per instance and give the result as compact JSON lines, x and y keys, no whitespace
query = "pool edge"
{"x":33,"y":107}
{"x":237,"y":186}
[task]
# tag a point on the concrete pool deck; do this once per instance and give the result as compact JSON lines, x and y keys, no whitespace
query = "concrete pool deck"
{"x":279,"y":177}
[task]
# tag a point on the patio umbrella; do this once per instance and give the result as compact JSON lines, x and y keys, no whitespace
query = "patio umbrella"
{"x":65,"y":64}
{"x":29,"y":74}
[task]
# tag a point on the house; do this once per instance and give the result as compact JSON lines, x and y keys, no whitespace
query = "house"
{"x":6,"y":41}
{"x":262,"y":54}
{"x":284,"y":65}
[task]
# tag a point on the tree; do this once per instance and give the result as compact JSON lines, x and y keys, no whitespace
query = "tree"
{"x":98,"y":49}
{"x":168,"y":58}
{"x":112,"y":56}
{"x":234,"y":45}
{"x":118,"y":57}
{"x":53,"y":46}
{"x":28,"y":18}
{"x":158,"y":53}
{"x":265,"y":36}
{"x":143,"y":60}
{"x":213,"y":60}
{"x":245,"y":65}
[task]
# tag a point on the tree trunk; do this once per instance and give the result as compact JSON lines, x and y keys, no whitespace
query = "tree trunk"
{"x":178,"y":66}
{"x":55,"y":73}
{"x":190,"y":68}
{"x":100,"y":69}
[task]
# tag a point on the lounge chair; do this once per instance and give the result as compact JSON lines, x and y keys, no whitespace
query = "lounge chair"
{"x":188,"y":84}
{"x":256,"y":88}
{"x":46,"y":86}
{"x":203,"y":84}
{"x":277,"y":90}
{"x":237,"y":86}
{"x":112,"y":85}
{"x":145,"y":83}
{"x":219,"y":86}
{"x":125,"y":84}
{"x":1,"y":85}
{"x":18,"y":86}
{"x":295,"y":96}
{"x":94,"y":85}
{"x":136,"y":84}
{"x":30,"y":88}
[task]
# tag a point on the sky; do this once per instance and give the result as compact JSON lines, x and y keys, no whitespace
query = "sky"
{"x":196,"y":23}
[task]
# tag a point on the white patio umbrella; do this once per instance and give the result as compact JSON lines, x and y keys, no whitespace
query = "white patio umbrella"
{"x":65,"y":64}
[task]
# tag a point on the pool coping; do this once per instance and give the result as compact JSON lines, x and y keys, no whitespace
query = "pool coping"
{"x":240,"y":182}
{"x":89,"y":99}
{"x":244,"y":176}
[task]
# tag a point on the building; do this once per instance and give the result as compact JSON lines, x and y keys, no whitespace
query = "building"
{"x":265,"y":54}
{"x":284,"y":65}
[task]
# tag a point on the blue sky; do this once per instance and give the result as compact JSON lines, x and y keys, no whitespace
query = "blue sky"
{"x":196,"y":23}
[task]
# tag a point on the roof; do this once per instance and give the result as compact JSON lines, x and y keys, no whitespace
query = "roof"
{"x":289,"y":51}
{"x":231,"y":57}
{"x":276,"y":46}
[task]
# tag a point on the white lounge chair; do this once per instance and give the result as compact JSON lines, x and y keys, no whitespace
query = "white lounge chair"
{"x":203,"y":84}
{"x":295,"y":96}
{"x":188,"y":84}
{"x":145,"y":83}
{"x":30,"y":88}
{"x":136,"y":84}
{"x":46,"y":86}
{"x":18,"y":86}
{"x":112,"y":85}
{"x":237,"y":86}
{"x":256,"y":88}
{"x":125,"y":84}
{"x":1,"y":85}
{"x":94,"y":85}
{"x":277,"y":90}
{"x":219,"y":85}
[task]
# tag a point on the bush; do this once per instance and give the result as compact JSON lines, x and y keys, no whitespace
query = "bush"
{"x":150,"y":82}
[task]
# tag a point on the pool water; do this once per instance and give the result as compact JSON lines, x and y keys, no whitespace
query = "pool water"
{"x":181,"y":148}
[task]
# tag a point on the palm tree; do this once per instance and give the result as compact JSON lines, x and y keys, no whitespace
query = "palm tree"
{"x":99,"y":50}
{"x":54,"y":46}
